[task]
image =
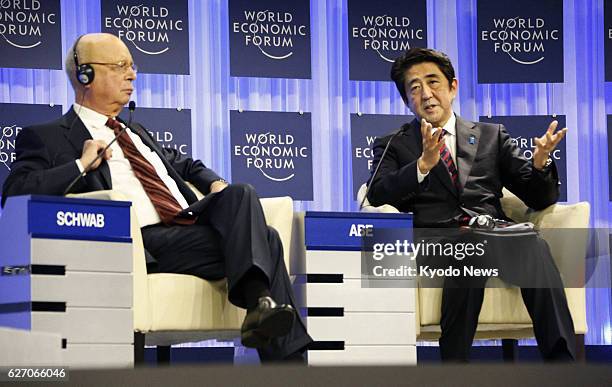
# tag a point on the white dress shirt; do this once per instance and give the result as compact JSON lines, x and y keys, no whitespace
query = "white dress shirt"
{"x":451,"y":143}
{"x":122,"y":175}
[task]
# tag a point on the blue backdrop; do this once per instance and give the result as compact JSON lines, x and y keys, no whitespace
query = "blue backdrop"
{"x":209,"y":91}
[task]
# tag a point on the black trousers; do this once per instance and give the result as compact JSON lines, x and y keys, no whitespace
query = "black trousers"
{"x":229,"y":238}
{"x":524,"y":261}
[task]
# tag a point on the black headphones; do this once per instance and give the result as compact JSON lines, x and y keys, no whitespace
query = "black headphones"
{"x":84,"y":72}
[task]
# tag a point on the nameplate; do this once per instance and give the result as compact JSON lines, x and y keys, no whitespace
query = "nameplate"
{"x":67,"y":218}
{"x":344,"y":230}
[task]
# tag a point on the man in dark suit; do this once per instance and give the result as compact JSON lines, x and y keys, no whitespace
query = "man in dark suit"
{"x":445,"y":169}
{"x":226,"y":236}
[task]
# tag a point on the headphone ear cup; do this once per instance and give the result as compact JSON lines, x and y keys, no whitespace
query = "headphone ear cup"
{"x":85,"y":74}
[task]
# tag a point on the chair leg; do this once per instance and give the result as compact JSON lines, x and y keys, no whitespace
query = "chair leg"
{"x":163,"y":354}
{"x":580,"y":351}
{"x":510,"y":350}
{"x":139,"y":348}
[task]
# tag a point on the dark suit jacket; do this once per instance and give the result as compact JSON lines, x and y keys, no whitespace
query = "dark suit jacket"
{"x":487,"y":161}
{"x":46,"y":154}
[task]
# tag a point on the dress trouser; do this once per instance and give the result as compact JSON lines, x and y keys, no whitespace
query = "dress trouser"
{"x":229,"y":238}
{"x":525,"y":262}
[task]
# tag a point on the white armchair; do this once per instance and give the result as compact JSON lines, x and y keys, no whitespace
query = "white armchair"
{"x":178,"y":308}
{"x":503,"y":314}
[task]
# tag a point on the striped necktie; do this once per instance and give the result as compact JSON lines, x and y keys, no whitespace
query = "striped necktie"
{"x":447,"y":159}
{"x":162,"y":199}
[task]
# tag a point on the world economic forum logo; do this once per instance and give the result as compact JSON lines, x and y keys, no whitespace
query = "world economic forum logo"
{"x":157,"y":33}
{"x":144,"y":26}
{"x":270,"y":31}
{"x":7,"y":145}
{"x":520,"y":35}
{"x":269,"y":38}
{"x":21,"y":21}
{"x":522,"y":39}
{"x":30,"y":34}
{"x":273,"y":155}
{"x":379,"y":32}
{"x":386,"y":35}
{"x":14,"y":117}
{"x":272,"y":151}
{"x":365,"y":128}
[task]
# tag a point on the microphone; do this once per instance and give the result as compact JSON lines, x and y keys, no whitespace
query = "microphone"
{"x":131,"y":108}
{"x":382,"y":157}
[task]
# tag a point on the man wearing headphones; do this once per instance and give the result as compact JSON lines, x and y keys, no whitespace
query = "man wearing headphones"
{"x":226,"y":238}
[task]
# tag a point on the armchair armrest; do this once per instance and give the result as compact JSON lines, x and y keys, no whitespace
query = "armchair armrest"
{"x":367,"y":207}
{"x":554,"y":216}
{"x":568,"y":247}
{"x":279,"y":215}
{"x":100,"y":195}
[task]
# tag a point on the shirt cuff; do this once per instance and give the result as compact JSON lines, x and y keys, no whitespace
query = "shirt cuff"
{"x":420,"y":176}
{"x":79,"y":165}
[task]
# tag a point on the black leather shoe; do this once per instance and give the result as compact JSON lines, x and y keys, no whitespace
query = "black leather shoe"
{"x":266,"y":321}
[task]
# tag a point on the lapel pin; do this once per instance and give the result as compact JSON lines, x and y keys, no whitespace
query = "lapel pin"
{"x":472,"y":139}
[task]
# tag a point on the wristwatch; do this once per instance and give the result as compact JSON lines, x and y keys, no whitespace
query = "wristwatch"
{"x":547,"y":165}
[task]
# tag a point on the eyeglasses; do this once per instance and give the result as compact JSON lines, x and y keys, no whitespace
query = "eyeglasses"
{"x":122,"y":66}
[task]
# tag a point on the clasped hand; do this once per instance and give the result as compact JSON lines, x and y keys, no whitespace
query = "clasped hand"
{"x":91,"y":150}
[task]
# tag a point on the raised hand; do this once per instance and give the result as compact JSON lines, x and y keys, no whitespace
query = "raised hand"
{"x":433,"y":141}
{"x":546,"y":144}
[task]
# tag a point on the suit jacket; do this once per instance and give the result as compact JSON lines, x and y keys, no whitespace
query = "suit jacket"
{"x":487,"y":161}
{"x":46,"y":154}
{"x":45,"y":162}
